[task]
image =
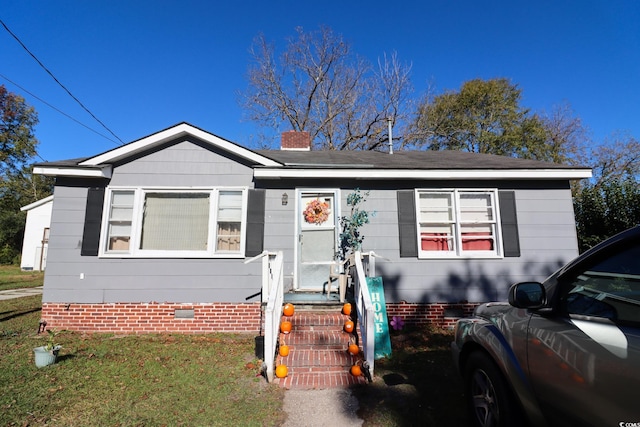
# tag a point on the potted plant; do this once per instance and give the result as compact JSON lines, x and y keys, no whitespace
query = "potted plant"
{"x":46,"y":355}
{"x":350,"y":237}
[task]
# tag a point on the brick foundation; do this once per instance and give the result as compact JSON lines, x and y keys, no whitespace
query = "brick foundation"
{"x":137,"y":318}
{"x":443,"y":315}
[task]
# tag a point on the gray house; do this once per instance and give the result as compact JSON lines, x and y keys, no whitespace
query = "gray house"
{"x":153,"y":236}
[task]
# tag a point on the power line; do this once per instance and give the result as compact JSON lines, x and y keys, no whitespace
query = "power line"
{"x":56,"y":109}
{"x":58,"y":82}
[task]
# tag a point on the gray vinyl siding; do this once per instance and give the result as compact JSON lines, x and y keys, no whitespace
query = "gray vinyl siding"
{"x":183,"y":164}
{"x":109,"y":280}
{"x":545,"y":220}
{"x":547,"y":240}
{"x":280,"y":230}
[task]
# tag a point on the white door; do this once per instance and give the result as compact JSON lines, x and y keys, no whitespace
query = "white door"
{"x":317,"y":238}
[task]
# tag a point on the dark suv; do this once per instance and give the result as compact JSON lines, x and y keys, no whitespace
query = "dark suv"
{"x":565,"y":352}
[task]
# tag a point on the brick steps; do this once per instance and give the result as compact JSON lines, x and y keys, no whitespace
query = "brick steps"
{"x":318,"y":356}
{"x":310,"y":359}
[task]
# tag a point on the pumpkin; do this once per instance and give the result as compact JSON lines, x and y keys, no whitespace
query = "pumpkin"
{"x":284,"y":350}
{"x":281,"y":371}
{"x":346,"y":309}
{"x":348,"y":326}
{"x":288,"y":310}
{"x":285,"y":327}
{"x":354,"y":349}
{"x":356,"y":371}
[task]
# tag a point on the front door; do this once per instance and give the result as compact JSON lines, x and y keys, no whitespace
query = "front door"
{"x":317,"y":238}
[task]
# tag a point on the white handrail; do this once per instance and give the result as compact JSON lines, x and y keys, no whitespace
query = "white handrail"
{"x":273,"y":293}
{"x":273,"y":314}
{"x":365,"y":310}
{"x":372,"y":262}
{"x":267,"y":274}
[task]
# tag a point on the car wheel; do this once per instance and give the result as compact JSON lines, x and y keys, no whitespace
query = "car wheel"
{"x":488,"y":397}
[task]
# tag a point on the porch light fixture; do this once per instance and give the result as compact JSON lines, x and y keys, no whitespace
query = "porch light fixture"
{"x":285,"y":199}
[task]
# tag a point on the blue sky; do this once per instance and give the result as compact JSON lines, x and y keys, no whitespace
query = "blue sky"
{"x":142,"y":66}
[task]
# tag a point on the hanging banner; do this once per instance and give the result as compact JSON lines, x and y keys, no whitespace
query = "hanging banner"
{"x":380,"y":322}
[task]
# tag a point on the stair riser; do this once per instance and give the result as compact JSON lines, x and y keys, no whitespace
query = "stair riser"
{"x":315,"y":323}
{"x":317,"y":338}
{"x":311,"y":358}
{"x":320,"y":380}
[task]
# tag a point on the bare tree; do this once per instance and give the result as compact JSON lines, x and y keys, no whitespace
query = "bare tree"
{"x":566,"y":137}
{"x":318,"y":85}
{"x":618,"y":158}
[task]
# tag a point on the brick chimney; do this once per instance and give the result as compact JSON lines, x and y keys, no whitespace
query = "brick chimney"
{"x":294,"y":140}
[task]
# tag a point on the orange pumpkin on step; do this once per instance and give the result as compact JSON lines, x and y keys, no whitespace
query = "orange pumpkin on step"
{"x":285,"y":327}
{"x":346,"y":309}
{"x":348,"y":326}
{"x":288,"y":310}
{"x":281,"y":371}
{"x":284,"y":350}
{"x":356,"y":371}
{"x":354,"y":349}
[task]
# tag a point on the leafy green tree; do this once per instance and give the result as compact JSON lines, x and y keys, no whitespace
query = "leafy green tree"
{"x":18,"y":186}
{"x":17,"y":140}
{"x":606,"y":209}
{"x":320,"y":86}
{"x":609,"y":202}
{"x":486,"y":116}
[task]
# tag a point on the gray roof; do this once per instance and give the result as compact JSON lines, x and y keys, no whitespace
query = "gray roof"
{"x":337,"y":164}
{"x":420,"y":160}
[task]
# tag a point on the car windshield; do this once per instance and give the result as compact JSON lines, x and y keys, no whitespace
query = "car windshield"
{"x":609,"y":289}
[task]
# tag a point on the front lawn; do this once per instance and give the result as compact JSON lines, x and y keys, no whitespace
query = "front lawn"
{"x":417,"y":385}
{"x":144,"y":380}
{"x":11,"y":277}
{"x":199,"y":380}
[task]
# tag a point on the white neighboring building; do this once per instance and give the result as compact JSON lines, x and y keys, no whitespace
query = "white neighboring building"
{"x":36,"y":234}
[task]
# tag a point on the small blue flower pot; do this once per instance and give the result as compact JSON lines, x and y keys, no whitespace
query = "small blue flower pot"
{"x":44,"y":357}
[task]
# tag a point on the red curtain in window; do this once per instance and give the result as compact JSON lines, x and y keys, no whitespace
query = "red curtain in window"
{"x":435,"y":242}
{"x":477,"y":241}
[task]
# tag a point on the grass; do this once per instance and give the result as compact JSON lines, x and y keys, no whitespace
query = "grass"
{"x":144,"y":380}
{"x":417,"y":385}
{"x":199,"y":380}
{"x":11,"y":277}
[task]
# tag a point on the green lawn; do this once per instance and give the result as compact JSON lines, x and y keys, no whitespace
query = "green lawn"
{"x":199,"y":380}
{"x":144,"y":380}
{"x":11,"y":277}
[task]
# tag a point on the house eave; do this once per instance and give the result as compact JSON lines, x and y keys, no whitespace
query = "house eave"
{"x":411,"y":174}
{"x":37,"y":203}
{"x":176,"y":132}
{"x":74,"y":171}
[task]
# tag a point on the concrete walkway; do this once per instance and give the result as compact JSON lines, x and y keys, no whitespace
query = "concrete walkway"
{"x":321,"y":408}
{"x":17,"y":293}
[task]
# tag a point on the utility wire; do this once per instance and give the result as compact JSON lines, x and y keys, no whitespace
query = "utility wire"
{"x":57,"y":81}
{"x":56,"y":109}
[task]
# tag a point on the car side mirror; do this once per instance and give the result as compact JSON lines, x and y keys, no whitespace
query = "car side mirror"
{"x":527,"y":295}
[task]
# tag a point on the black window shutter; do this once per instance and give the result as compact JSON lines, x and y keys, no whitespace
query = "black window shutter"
{"x":255,"y":223}
{"x":92,"y":221}
{"x":509,"y":222}
{"x":407,"y":224}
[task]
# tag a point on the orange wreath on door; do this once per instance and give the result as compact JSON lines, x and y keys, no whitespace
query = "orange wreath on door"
{"x":316,"y":212}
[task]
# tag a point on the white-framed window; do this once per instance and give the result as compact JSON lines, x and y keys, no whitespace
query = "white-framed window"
{"x":171,"y":222}
{"x":458,"y":223}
